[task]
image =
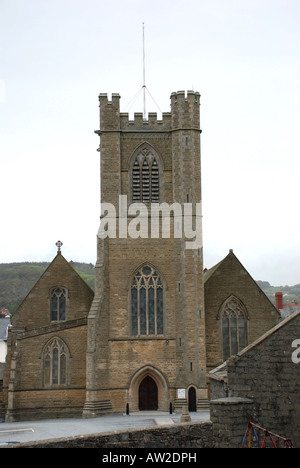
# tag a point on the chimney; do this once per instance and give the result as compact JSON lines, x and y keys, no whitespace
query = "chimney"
{"x":279,"y":301}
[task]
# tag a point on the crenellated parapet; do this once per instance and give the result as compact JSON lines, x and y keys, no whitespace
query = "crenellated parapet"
{"x":184,"y":114}
{"x":112,"y":119}
{"x":151,"y":124}
{"x":109,"y":111}
{"x":185,"y":110}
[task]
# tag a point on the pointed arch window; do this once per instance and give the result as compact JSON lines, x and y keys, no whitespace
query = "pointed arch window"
{"x":234,"y":327}
{"x":55,"y":357}
{"x":58,"y":300}
{"x":147,"y":303}
{"x":145,"y":177}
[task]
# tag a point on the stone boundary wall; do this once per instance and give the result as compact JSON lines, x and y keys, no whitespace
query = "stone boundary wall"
{"x":182,"y":435}
{"x":229,"y":420}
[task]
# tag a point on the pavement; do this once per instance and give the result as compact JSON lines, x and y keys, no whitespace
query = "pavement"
{"x":29,"y":431}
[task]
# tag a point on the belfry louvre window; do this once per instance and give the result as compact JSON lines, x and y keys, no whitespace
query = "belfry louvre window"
{"x":55,"y":363}
{"x":58,"y":304}
{"x":147,"y":303}
{"x":234,"y":327}
{"x":145,"y":178}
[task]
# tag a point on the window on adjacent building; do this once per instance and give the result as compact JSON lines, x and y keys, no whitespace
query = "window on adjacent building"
{"x":58,"y":304}
{"x":147,"y":303}
{"x":145,"y":177}
{"x":55,"y":363}
{"x":234,"y":327}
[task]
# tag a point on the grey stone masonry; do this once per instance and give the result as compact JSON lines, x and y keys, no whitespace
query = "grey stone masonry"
{"x":177,"y":436}
{"x":268,"y":374}
{"x":230,"y":417}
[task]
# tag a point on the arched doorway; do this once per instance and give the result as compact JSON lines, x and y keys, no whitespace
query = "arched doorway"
{"x":162,"y":400}
{"x":148,"y":395}
{"x":192,"y":399}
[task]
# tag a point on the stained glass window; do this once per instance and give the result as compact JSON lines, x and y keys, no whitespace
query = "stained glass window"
{"x":147,"y":303}
{"x":55,"y":363}
{"x":58,"y":304}
{"x":234,"y":327}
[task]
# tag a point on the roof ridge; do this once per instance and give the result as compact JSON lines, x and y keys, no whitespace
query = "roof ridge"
{"x":266,"y":335}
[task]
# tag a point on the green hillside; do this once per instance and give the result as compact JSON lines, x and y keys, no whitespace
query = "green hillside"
{"x":17,"y":279}
{"x":290,"y":293}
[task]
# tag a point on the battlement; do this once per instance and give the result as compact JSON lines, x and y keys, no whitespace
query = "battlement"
{"x":185,"y":109}
{"x":184,"y":114}
{"x":109,"y":112}
{"x":150,"y":124}
{"x":187,"y":96}
{"x":115,"y":98}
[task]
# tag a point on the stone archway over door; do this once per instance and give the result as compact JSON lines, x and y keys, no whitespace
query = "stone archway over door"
{"x":136,"y":386}
{"x":148,"y":395}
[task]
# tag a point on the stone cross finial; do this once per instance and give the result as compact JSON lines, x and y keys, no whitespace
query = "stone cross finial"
{"x":59,"y":244}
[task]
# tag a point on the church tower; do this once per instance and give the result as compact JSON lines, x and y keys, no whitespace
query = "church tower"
{"x":146,"y":328}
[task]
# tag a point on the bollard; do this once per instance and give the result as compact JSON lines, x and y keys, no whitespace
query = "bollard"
{"x":171,"y":408}
{"x":127,"y":409}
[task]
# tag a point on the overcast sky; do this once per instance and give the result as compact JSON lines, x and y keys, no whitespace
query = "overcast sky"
{"x":56,"y":56}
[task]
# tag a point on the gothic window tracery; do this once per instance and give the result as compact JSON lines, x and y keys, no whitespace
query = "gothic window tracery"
{"x":55,"y":364}
{"x":145,"y":177}
{"x":234,"y":327}
{"x":147,"y":303}
{"x":58,"y":298}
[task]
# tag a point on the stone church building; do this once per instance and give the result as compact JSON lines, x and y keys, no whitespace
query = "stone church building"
{"x":157,"y":322}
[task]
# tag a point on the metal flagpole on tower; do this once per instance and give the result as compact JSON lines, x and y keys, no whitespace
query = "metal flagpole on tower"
{"x":144,"y":88}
